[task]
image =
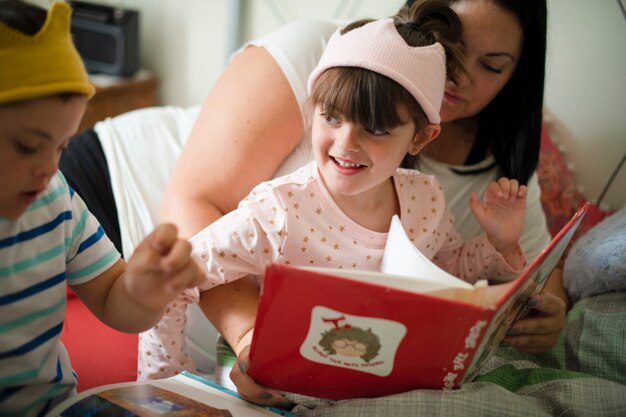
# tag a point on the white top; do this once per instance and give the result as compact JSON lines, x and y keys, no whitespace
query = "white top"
{"x":141,"y":148}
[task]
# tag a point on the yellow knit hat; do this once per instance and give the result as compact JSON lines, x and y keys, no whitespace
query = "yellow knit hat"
{"x":44,"y":64}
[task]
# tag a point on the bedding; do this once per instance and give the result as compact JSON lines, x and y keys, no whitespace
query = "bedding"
{"x":583,"y":375}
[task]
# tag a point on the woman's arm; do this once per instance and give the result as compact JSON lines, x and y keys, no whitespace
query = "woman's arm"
{"x":247,"y":127}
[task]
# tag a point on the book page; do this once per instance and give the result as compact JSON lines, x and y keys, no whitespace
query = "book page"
{"x":401,"y":257}
{"x":182,"y":395}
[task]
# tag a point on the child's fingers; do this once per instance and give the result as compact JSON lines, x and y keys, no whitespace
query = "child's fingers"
{"x":474,"y":201}
{"x":505,"y":187}
{"x":476,"y":207}
{"x":178,"y":257}
{"x":493,"y":188}
{"x":189,"y":277}
{"x":163,"y":237}
{"x":523,"y":191}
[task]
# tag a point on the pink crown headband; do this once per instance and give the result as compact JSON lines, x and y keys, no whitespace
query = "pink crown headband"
{"x":377,"y":46}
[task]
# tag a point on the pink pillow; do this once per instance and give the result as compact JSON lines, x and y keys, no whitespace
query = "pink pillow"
{"x":99,"y":354}
{"x":559,"y":196}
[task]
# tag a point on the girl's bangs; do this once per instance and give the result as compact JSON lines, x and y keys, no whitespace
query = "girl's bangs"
{"x":363,"y":97}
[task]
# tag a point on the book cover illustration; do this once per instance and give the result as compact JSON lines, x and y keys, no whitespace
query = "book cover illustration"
{"x":352,"y":342}
{"x":141,"y":401}
{"x":184,"y":394}
{"x":336,"y":333}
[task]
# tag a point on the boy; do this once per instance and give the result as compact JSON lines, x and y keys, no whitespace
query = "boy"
{"x":48,"y":238}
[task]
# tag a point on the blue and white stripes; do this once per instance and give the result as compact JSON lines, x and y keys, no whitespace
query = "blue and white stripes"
{"x":56,"y":242}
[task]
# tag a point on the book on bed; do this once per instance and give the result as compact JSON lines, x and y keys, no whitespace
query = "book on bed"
{"x":338,"y":334}
{"x":185,"y":395}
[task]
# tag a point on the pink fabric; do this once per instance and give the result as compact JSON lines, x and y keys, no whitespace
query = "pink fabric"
{"x":100,"y":355}
{"x":377,"y":46}
{"x":559,"y":197}
{"x":293,"y":220}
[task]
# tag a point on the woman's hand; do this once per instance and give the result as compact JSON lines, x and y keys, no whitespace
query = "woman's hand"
{"x":248,"y":389}
{"x":540,"y":330}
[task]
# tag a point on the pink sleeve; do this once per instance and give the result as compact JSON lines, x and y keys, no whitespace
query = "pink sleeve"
{"x":162,"y":350}
{"x":241,"y":243}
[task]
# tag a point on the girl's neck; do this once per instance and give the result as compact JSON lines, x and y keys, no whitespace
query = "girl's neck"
{"x":372,"y":209}
{"x":454,"y":143}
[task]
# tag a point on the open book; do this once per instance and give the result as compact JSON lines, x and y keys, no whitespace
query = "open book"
{"x":185,"y":394}
{"x":337,"y":333}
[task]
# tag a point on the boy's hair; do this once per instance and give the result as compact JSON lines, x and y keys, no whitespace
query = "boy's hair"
{"x":37,"y":55}
{"x":510,"y":125}
{"x":373,"y":100}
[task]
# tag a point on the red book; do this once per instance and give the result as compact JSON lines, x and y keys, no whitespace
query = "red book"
{"x":337,"y":333}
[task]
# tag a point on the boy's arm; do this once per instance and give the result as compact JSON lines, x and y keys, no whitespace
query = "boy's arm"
{"x":132,"y":297}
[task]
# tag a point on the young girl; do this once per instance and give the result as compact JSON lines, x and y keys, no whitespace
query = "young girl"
{"x":48,"y":239}
{"x":377,"y":92}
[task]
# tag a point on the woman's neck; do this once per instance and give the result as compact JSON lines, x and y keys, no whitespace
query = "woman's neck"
{"x":454,"y":143}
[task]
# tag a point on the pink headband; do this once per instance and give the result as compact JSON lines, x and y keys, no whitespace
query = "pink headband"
{"x":377,"y":46}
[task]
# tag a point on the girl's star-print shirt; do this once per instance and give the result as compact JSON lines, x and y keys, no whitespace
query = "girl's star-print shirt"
{"x":293,"y":220}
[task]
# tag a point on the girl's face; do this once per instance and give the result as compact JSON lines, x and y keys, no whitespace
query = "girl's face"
{"x":32,"y":135}
{"x":492,"y":39}
{"x":352,"y":160}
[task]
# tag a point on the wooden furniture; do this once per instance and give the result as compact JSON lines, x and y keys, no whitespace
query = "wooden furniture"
{"x":117,"y":95}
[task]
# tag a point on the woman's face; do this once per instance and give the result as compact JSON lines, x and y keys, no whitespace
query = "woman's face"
{"x":492,"y":45}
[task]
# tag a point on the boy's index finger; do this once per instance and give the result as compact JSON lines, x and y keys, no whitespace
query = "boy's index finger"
{"x":178,"y":256}
{"x":163,"y":238}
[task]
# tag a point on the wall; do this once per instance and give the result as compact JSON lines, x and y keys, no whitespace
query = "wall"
{"x":586,"y":91}
{"x":186,"y":43}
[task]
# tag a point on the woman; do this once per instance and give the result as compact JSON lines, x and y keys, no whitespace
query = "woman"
{"x":492,"y":117}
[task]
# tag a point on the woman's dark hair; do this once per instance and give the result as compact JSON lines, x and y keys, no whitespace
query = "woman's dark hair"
{"x":371,"y":99}
{"x":21,"y":16}
{"x":510,"y":125}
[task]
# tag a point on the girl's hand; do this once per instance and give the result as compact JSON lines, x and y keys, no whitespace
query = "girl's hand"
{"x":540,"y":330}
{"x":501,"y":213}
{"x":161,"y":268}
{"x":248,"y":389}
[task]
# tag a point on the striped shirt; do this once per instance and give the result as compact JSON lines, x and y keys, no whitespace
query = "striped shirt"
{"x":56,"y":242}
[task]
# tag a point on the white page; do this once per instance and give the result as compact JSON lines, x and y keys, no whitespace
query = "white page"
{"x":401,"y":282}
{"x":401,"y":257}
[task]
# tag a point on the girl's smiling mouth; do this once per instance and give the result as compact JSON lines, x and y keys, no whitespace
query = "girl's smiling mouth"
{"x":344,"y":163}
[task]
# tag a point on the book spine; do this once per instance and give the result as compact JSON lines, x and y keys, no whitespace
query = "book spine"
{"x":464,"y":358}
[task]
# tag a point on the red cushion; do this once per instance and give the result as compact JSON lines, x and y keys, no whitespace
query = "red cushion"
{"x":99,"y":354}
{"x":70,"y":293}
{"x":559,"y":197}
